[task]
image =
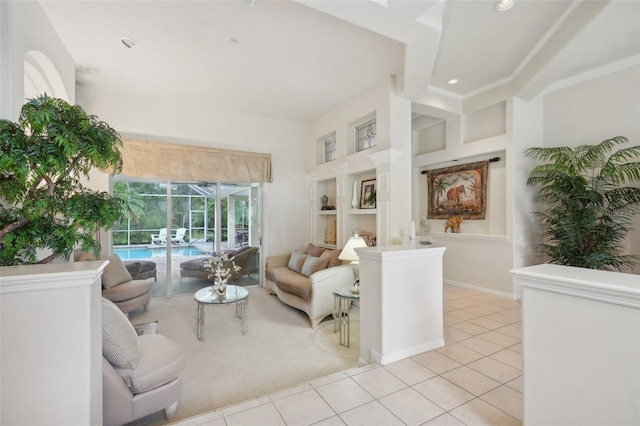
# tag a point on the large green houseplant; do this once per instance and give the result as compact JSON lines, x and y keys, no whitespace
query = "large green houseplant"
{"x":588,"y":205}
{"x":43,"y":203}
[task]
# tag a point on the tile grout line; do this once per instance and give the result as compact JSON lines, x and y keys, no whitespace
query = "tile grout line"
{"x":484,"y":356}
{"x":406,"y":385}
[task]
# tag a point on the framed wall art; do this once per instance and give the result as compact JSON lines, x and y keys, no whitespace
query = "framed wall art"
{"x":458,"y":190}
{"x":368,"y":194}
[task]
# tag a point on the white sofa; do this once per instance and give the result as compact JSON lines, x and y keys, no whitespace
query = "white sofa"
{"x":312,"y":294}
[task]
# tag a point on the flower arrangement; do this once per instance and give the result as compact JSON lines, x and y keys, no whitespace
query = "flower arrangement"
{"x":220,"y":268}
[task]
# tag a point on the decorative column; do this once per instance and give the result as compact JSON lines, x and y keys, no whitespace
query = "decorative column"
{"x":400,"y":301}
{"x":391,"y":212}
{"x":342,"y":202}
{"x":581,"y":345}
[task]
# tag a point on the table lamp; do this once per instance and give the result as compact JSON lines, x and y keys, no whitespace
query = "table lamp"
{"x":348,"y":253}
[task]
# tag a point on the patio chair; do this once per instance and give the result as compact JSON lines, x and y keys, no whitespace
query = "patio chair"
{"x":179,"y":237}
{"x":244,"y":258}
{"x":160,"y":237}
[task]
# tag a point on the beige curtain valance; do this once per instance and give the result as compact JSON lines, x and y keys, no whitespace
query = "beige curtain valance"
{"x":172,"y":161}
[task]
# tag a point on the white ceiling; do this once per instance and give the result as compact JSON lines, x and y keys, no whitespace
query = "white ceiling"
{"x":297,"y":59}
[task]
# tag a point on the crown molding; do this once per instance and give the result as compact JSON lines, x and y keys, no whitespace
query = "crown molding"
{"x":592,"y":74}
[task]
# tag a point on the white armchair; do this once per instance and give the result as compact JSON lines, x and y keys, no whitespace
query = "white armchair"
{"x":140,"y":375}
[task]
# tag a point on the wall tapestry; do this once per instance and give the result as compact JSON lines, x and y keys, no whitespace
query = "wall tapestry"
{"x":458,"y":190}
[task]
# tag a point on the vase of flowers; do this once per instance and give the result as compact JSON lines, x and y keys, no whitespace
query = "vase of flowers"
{"x":220,"y":269}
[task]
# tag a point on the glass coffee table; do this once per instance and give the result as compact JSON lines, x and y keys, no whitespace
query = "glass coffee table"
{"x":234,"y":295}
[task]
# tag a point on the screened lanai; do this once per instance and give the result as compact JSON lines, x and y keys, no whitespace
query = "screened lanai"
{"x":171,"y":223}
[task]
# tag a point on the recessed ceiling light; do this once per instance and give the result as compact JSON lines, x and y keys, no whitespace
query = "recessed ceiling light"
{"x":453,"y":81}
{"x":502,"y":5}
{"x":129,"y":42}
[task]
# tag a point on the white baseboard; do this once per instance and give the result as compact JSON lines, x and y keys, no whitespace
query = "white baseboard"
{"x":406,"y":353}
{"x":482,"y":289}
{"x":375,"y":357}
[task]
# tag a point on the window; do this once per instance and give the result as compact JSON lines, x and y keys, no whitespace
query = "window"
{"x":330,"y":149}
{"x":366,"y":135}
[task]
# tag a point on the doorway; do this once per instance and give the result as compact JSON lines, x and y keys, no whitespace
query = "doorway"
{"x":176,"y":225}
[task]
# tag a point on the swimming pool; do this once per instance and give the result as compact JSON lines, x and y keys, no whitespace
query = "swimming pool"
{"x":143,"y":253}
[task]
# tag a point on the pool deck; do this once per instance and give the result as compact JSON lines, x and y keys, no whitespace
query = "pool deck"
{"x":205,"y":248}
{"x":189,"y":285}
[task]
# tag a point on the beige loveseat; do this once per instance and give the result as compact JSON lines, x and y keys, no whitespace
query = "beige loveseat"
{"x":305,"y":280}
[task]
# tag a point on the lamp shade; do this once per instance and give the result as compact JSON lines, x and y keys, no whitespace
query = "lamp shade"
{"x":348,"y":252}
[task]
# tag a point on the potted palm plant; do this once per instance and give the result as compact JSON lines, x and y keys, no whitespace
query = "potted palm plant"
{"x":43,"y":203}
{"x":588,"y":204}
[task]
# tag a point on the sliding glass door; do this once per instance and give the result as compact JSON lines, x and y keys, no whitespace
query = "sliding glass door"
{"x":176,"y":225}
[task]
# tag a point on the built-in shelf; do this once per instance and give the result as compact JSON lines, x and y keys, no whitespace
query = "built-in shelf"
{"x":328,"y":212}
{"x":362,"y":211}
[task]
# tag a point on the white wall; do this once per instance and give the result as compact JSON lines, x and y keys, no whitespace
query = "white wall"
{"x":285,"y":221}
{"x":17,"y":23}
{"x":594,"y":110}
{"x":481,"y":255}
{"x":581,"y":344}
{"x":527,"y":133}
{"x":338,"y":120}
{"x":50,"y":335}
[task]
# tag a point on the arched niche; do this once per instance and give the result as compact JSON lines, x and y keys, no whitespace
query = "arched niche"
{"x":41,"y":76}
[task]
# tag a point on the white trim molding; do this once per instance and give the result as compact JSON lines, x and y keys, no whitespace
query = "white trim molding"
{"x":26,"y":278}
{"x":604,"y":286}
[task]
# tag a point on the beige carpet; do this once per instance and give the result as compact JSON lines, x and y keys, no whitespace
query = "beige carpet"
{"x":280,"y":350}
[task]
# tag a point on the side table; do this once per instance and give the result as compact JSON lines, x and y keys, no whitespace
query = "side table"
{"x":342,"y":299}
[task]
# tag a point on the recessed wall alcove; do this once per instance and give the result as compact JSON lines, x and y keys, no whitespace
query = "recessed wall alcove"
{"x":444,"y":138}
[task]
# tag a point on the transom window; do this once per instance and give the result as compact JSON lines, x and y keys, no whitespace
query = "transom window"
{"x":330,"y":149}
{"x":366,"y":135}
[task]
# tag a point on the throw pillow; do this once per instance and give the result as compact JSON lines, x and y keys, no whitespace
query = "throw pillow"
{"x":332,"y":255}
{"x":313,"y":250}
{"x":313,"y":264}
{"x":120,"y":344}
{"x":115,"y":272}
{"x":296,"y":261}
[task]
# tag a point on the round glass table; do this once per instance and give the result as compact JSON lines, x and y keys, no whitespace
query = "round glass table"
{"x":234,"y":295}
{"x":342,"y":298}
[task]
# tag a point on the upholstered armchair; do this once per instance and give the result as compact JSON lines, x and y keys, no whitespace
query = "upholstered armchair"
{"x":119,"y":287}
{"x":140,"y":374}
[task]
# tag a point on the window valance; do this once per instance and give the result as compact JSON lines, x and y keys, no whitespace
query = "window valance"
{"x":161,"y":160}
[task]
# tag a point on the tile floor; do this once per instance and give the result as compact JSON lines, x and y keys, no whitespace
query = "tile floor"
{"x":475,"y":379}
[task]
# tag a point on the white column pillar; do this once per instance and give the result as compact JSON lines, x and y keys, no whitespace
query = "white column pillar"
{"x":581,"y":345}
{"x":51,"y":340}
{"x":400,"y":301}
